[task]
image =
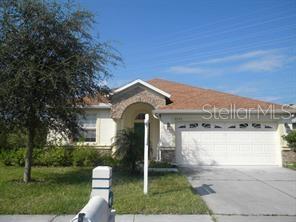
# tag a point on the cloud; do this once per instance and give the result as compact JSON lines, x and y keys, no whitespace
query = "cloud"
{"x":260,"y":61}
{"x":238,"y":57}
{"x":270,"y":98}
{"x":193,"y":70}
{"x":265,"y":64}
{"x":244,"y":89}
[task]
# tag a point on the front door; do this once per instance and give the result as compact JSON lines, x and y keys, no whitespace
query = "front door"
{"x":139,"y":130}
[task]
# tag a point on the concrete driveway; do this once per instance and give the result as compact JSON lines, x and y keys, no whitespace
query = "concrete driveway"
{"x":252,"y":191}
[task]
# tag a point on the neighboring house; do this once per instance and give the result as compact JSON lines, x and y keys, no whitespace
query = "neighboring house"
{"x":183,"y":128}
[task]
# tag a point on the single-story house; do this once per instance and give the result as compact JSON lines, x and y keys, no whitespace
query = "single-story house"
{"x":191,"y":125}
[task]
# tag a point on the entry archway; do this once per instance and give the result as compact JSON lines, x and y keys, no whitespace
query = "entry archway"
{"x":133,"y":117}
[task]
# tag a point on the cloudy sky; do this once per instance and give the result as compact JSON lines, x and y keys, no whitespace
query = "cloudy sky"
{"x":241,"y":47}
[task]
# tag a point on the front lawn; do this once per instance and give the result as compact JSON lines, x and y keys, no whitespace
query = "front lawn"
{"x":65,"y":190}
{"x":291,"y":165}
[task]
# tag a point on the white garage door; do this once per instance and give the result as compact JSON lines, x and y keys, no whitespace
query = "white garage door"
{"x":227,"y":144}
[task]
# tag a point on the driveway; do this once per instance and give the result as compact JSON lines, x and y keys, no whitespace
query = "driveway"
{"x":252,"y":191}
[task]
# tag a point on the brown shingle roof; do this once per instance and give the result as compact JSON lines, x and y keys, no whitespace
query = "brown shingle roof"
{"x":190,"y":97}
{"x":96,"y":100}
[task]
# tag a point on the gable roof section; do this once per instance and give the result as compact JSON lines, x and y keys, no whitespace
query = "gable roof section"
{"x":185,"y":97}
{"x":98,"y":99}
{"x":146,"y":84}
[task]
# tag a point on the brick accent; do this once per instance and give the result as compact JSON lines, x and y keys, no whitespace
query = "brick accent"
{"x":289,"y":156}
{"x":132,"y":95}
{"x":168,"y":156}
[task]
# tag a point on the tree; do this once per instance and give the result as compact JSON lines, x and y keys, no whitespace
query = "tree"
{"x":49,"y":62}
{"x":129,"y":148}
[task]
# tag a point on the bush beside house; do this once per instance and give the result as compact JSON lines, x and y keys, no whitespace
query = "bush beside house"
{"x":82,"y":156}
{"x":289,"y":156}
{"x":291,"y":139}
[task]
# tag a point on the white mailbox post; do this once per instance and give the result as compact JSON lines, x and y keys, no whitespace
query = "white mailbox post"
{"x":102,"y":183}
{"x":99,"y":207}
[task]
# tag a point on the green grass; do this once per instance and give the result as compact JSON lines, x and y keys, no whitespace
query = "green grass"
{"x":65,"y":190}
{"x":291,"y":166}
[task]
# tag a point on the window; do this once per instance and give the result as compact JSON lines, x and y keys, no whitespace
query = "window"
{"x":268,"y":127}
{"x":89,"y":135}
{"x":243,"y":125}
{"x":88,"y":132}
{"x":140,"y":116}
{"x":256,"y":125}
{"x":193,"y":125}
{"x":206,"y":125}
{"x":232,"y":126}
{"x":86,"y":135}
{"x":217,"y":126}
{"x":293,"y":125}
{"x":182,"y":127}
{"x":89,"y":121}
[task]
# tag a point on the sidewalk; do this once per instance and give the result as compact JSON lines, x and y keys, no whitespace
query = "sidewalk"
{"x":152,"y":218}
{"x":119,"y":218}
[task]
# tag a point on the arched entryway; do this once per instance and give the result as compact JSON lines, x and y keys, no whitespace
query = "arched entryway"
{"x":133,"y":117}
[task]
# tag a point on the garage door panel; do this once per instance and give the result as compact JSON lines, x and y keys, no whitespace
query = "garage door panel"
{"x":212,"y":147}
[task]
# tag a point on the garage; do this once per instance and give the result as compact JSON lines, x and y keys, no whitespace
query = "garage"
{"x":245,"y":143}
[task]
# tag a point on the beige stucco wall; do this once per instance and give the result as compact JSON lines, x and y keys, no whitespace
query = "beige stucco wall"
{"x":105,"y":130}
{"x":167,"y":134}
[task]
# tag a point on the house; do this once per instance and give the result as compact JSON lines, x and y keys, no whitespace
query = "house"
{"x":190,"y":125}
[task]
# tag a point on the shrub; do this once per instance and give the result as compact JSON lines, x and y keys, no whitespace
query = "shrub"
{"x":85,"y":156}
{"x":291,"y":139}
{"x":108,"y":160}
{"x":52,"y":156}
{"x":129,"y":149}
{"x":158,"y":164}
{"x":58,"y":156}
{"x":13,"y":157}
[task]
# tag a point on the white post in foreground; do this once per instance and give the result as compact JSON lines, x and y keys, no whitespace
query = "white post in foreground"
{"x":102,"y":183}
{"x":99,"y":206}
{"x":146,"y":123}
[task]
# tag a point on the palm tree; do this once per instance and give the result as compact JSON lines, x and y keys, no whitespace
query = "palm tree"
{"x":129,"y":148}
